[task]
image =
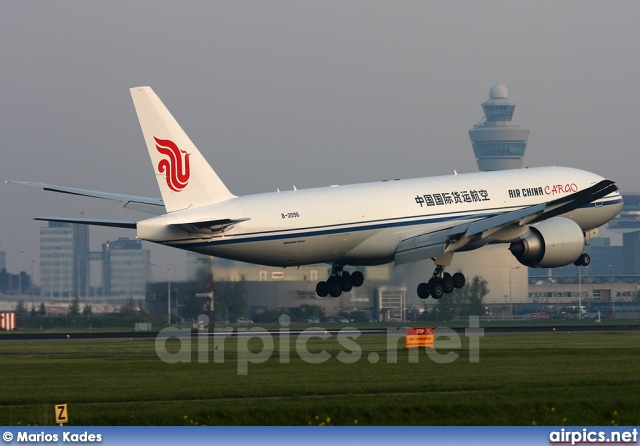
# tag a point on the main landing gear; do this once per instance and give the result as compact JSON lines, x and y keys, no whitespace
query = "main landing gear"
{"x":440,"y":284}
{"x":339,"y":281}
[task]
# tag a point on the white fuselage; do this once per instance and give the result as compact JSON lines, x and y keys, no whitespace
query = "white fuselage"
{"x":363,"y":224}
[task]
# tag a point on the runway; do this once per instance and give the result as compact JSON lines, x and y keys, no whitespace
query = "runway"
{"x":311,"y":331}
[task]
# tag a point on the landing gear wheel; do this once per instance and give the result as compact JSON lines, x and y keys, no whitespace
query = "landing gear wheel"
{"x":345,"y":282}
{"x":458,"y":280}
{"x":447,"y":283}
{"x":322,"y":289}
{"x":423,"y":290}
{"x":435,"y":286}
{"x":357,"y":279}
{"x":334,"y":286}
{"x":583,"y":260}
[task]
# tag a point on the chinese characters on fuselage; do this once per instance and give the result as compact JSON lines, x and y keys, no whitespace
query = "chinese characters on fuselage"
{"x":446,"y":198}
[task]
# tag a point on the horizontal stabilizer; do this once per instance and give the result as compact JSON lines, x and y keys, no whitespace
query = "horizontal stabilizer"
{"x":93,"y":222}
{"x":153,"y":206}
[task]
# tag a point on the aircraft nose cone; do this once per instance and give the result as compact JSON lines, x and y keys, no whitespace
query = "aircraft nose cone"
{"x":618,"y":207}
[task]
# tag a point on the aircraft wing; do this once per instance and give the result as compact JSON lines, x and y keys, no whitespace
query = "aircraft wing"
{"x":479,"y":232}
{"x":153,"y":206}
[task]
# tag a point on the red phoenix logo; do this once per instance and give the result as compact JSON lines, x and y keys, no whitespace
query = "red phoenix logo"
{"x":175,"y":166}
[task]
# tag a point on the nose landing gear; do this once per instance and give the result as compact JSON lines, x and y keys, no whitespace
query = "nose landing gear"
{"x":583,"y":260}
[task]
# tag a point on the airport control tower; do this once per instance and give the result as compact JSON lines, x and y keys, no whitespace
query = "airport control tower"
{"x":498,"y":144}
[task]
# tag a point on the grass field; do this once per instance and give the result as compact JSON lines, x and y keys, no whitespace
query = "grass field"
{"x":543,"y":379}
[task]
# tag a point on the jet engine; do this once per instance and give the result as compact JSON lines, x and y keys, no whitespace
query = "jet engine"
{"x":549,"y":244}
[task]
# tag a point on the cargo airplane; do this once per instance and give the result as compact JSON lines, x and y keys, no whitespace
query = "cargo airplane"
{"x":544,"y":215}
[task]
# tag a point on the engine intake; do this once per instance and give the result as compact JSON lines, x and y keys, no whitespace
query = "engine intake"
{"x":549,"y":244}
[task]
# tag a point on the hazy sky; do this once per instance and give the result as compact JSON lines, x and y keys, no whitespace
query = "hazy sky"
{"x":310,"y":93}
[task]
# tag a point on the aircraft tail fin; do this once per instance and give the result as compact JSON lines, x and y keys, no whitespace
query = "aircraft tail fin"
{"x":185,"y":178}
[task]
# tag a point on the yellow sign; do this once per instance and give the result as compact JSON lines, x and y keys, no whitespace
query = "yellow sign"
{"x":62,"y":415}
{"x":420,"y":337}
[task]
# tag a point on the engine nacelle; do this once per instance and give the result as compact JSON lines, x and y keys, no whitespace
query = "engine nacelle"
{"x":549,"y":244}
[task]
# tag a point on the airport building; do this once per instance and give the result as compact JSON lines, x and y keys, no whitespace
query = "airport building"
{"x":497,"y":143}
{"x":628,"y":224}
{"x":64,"y":260}
{"x":125,"y":269}
{"x":14,"y":284}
